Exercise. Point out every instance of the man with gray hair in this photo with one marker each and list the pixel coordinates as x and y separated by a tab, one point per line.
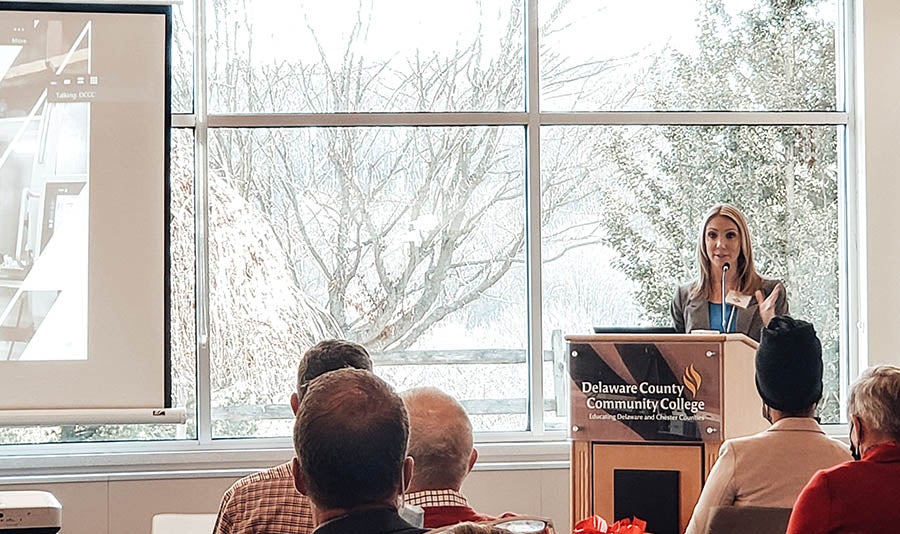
442	445
860	495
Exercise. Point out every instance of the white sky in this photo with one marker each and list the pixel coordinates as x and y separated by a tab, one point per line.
600	28
617	26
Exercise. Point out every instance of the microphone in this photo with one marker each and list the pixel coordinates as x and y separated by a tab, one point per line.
724	272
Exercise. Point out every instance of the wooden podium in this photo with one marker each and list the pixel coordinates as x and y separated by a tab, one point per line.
648	414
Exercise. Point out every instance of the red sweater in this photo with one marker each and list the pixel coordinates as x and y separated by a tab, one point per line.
853	497
439	516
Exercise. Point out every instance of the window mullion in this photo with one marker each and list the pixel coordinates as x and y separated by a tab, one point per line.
201	211
533	223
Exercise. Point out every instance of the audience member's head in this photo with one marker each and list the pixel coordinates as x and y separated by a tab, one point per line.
326	356
468	527
440	440
789	368
874	408
518	524
350	441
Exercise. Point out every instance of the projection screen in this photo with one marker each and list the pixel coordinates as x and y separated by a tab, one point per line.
84	144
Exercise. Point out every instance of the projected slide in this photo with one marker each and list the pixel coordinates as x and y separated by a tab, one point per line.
84	167
46	93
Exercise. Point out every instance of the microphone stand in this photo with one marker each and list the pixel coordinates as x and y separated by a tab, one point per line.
724	320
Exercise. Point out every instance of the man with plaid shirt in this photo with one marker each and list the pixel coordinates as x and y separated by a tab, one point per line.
267	502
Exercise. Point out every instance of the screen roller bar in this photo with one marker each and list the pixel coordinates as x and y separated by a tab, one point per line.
119	3
126	416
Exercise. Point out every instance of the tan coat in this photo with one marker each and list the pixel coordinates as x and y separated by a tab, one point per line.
767	469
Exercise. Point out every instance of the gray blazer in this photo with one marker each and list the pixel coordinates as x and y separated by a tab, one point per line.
693	314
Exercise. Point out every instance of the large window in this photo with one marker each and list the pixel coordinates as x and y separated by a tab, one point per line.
457	189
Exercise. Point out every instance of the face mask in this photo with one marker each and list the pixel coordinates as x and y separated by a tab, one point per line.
854	448
414	515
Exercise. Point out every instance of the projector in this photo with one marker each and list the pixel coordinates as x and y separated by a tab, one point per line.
29	512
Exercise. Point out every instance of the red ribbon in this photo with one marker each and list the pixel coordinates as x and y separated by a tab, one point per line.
627	526
597	525
591	525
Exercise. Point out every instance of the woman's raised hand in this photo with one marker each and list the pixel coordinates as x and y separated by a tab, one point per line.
767	304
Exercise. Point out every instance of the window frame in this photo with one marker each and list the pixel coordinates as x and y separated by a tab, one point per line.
533	448
532	120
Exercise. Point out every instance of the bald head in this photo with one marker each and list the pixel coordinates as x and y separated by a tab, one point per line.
440	439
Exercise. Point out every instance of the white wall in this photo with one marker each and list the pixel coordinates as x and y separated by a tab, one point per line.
880	166
128	506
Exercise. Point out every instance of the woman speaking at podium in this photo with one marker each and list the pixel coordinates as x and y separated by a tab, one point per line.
728	295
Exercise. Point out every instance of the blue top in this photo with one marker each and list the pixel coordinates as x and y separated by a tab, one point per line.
715	317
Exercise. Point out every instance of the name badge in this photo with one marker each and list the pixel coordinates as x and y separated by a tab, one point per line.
738	299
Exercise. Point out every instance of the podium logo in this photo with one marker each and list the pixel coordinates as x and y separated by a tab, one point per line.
692	380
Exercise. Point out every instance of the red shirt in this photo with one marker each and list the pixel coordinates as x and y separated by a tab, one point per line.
439	516
446	507
853	497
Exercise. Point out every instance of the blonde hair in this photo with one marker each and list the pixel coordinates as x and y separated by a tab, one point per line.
503	525
875	398
748	280
469	527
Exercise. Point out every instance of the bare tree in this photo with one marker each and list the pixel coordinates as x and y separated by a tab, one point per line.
401	226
